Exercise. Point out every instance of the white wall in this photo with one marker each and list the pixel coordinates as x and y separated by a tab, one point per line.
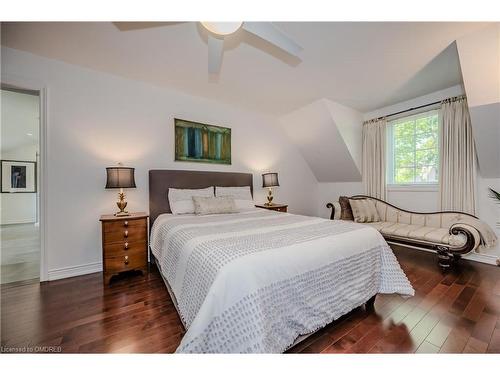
19	116
415	102
424	199
330	192
96	120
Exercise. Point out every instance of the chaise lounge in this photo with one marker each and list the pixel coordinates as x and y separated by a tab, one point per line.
451	234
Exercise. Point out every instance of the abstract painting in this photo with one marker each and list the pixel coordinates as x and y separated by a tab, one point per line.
204	143
18	176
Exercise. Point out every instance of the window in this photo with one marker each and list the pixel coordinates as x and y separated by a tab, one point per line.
413	150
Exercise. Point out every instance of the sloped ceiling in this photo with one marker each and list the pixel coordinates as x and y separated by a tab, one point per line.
328	136
363	65
479	54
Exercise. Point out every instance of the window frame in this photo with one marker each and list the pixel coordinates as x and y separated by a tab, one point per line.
419	186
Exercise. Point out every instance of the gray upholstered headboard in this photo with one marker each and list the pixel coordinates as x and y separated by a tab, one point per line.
160	180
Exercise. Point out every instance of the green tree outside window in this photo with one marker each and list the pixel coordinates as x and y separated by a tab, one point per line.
414	149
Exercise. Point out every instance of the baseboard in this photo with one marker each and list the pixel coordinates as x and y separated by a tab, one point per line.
18	223
475	257
483	258
83	269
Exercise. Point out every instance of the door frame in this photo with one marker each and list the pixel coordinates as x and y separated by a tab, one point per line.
32	85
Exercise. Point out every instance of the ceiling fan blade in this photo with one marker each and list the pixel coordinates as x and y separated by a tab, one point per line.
273	35
129	26
215	49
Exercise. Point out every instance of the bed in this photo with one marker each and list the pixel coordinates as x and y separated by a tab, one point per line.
257	280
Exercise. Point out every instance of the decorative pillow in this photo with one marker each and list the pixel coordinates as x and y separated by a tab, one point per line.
241	195
181	200
214	205
364	210
345	209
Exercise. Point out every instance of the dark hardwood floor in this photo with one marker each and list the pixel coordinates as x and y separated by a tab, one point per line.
451	313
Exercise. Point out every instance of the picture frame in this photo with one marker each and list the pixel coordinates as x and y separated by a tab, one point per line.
18	176
202	143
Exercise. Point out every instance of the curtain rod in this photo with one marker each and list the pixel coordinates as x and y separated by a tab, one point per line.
420	106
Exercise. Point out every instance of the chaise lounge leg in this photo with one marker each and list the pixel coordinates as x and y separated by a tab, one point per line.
370	304
445	259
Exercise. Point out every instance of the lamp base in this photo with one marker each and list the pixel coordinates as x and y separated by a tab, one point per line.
269	197
122	203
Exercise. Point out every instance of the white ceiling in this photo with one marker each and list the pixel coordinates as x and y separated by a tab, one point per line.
361	65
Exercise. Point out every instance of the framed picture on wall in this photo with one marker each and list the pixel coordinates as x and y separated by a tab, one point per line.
18	176
203	143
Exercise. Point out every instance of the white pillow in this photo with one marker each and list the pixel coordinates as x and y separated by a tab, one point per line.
214	205
364	211
241	195
181	200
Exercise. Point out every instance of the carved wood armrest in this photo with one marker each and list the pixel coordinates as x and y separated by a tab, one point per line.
332	207
472	238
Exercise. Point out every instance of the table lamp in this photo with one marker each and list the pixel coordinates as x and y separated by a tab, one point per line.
270	180
120	178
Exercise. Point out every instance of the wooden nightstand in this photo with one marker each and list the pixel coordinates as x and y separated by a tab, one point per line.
124	244
274	207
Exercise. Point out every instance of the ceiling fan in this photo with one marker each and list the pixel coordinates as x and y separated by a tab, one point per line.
218	30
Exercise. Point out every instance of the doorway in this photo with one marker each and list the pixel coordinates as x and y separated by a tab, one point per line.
20	251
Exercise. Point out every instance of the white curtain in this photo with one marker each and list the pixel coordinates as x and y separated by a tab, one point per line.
374	159
457	157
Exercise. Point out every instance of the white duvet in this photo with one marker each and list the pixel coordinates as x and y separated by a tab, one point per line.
255	281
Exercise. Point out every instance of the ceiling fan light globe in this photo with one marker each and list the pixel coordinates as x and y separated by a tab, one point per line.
222	28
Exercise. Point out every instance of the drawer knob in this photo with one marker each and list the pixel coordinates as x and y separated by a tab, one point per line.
125	233
125	223
126	259
125	246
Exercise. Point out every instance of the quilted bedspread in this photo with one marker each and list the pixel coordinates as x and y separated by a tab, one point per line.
253	282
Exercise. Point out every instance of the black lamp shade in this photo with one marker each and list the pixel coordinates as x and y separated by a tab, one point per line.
270	180
120	177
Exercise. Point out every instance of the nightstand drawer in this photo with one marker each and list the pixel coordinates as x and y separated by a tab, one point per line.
115	226
126	234
124	248
126	262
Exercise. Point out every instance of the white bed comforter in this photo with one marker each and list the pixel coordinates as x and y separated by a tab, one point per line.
255	281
